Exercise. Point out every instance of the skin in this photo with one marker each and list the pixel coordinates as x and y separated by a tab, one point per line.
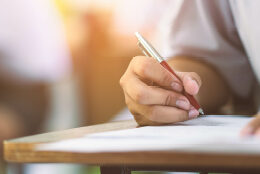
252	128
154	96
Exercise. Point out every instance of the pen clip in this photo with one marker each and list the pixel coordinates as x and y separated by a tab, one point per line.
143	50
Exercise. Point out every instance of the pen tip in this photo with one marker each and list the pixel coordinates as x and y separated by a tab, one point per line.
201	111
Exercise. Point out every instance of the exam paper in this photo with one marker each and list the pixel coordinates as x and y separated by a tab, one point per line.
214	134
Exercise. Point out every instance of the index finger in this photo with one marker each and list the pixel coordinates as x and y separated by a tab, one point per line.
149	68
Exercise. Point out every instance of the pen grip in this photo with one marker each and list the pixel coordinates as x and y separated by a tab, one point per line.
191	98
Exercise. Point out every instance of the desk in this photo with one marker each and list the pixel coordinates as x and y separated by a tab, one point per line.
22	150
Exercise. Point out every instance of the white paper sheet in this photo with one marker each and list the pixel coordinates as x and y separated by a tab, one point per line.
205	134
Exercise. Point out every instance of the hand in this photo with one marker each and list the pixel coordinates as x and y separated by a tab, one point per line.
153	95
252	128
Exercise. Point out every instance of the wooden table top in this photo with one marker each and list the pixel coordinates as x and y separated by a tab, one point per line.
22	150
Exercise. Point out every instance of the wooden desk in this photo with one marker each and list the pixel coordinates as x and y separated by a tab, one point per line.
22	150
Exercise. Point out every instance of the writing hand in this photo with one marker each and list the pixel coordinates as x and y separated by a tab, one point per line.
154	96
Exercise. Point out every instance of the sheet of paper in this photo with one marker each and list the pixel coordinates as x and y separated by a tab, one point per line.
204	134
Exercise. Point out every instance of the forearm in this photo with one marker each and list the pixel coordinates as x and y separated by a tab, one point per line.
214	92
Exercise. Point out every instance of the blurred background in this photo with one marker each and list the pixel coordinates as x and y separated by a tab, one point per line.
60	64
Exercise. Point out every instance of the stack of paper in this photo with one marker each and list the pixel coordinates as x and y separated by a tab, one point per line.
204	134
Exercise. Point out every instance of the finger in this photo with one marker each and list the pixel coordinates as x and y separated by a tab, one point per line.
257	132
159	114
251	127
143	121
149	68
191	82
166	114
151	95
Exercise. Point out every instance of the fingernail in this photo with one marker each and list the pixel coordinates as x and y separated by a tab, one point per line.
193	85
176	86
193	113
193	81
183	104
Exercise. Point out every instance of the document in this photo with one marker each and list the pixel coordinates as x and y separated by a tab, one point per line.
210	133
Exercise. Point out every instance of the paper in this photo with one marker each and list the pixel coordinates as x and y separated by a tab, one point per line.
205	134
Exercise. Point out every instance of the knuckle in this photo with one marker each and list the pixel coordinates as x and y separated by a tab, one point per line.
168	99
195	76
171	98
121	81
140	96
134	62
166	77
135	59
142	68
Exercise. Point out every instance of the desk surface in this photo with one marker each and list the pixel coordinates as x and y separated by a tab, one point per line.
22	150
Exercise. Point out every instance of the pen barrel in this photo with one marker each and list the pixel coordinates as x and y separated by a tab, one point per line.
166	66
191	98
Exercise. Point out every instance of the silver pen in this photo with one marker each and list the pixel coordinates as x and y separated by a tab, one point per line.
149	51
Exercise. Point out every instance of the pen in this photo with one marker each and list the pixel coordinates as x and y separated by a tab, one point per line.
149	51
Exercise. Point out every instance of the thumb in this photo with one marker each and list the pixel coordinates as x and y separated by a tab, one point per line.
191	82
